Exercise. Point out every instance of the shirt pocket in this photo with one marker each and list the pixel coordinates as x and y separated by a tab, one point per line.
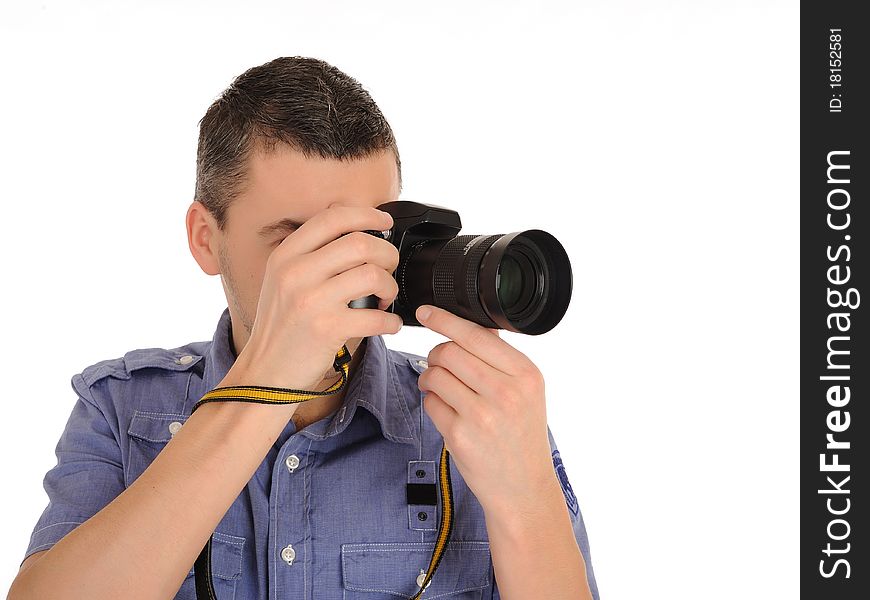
376	571
149	432
226	568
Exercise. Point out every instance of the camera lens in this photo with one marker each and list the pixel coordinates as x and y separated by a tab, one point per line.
517	281
508	281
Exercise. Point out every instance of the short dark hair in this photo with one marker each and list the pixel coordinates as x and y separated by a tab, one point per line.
302	102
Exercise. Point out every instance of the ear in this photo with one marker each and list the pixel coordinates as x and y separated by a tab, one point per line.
202	238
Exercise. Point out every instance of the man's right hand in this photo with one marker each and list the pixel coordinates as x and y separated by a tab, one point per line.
303	317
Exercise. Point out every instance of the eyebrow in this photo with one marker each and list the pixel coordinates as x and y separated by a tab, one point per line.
279	225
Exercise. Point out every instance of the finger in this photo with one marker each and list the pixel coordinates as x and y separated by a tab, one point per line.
328	225
474	338
442	415
357	248
475	373
450	389
360	282
367	322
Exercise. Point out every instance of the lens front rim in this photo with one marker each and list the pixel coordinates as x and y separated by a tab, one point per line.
551	301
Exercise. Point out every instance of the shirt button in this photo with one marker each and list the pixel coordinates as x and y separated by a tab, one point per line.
420	579
184	359
292	462
423	363
288	554
174	427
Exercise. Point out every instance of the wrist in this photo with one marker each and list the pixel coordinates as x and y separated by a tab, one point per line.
541	494
253	372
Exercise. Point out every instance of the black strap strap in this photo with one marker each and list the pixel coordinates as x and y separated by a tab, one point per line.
202	573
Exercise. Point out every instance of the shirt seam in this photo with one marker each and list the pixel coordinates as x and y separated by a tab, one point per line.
394	379
89	396
308	545
56	524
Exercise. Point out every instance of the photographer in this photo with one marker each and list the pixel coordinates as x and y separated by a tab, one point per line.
314	495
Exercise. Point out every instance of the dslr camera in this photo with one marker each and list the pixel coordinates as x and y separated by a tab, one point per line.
518	281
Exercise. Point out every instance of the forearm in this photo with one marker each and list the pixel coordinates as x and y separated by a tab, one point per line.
534	552
144	542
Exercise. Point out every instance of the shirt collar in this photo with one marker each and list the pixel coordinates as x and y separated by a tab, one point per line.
374	385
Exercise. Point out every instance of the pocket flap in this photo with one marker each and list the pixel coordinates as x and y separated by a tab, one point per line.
226	556
155	427
394	567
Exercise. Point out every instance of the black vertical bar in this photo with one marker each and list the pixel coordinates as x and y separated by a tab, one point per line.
834	370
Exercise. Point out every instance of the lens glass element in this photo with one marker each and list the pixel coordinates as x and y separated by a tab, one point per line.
509	282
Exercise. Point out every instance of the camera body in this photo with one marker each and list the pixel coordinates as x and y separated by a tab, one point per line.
414	224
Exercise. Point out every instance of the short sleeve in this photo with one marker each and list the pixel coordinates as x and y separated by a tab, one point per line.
574	514
88	475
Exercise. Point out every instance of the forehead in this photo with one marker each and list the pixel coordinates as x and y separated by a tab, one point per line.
285	183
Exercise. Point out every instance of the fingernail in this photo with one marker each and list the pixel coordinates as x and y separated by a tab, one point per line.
423	313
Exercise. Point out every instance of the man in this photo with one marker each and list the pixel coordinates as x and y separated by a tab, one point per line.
306	500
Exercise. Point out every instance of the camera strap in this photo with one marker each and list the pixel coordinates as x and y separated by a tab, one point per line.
277	395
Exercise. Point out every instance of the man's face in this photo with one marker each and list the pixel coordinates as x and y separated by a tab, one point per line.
286	185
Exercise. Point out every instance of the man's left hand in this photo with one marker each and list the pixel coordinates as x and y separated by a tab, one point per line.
487	400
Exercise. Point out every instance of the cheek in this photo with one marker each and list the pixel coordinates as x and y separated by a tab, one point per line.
245	266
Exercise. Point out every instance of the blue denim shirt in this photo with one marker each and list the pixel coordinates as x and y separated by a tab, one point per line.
326	514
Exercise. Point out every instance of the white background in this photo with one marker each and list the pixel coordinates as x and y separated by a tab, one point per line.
658	140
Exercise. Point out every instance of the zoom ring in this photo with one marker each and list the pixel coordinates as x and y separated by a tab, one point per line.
449	264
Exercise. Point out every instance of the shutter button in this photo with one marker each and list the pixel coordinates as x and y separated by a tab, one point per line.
421	577
184	359
292	462
288	554
174	427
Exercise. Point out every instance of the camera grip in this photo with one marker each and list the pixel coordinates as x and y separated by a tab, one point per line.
370	301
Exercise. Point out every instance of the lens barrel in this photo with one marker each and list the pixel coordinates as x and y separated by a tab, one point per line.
518	281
